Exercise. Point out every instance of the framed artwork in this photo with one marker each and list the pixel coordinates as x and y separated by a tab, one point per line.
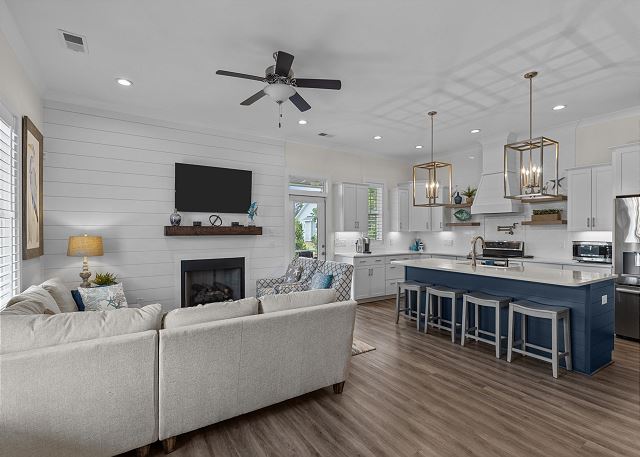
32	224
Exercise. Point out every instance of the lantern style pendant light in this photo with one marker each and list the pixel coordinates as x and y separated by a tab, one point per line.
528	163
434	176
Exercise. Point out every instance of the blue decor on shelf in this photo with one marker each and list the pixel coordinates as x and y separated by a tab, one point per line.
462	215
252	213
457	198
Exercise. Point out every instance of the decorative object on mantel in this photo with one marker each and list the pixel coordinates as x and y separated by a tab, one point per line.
540	215
105	279
85	246
507	228
32	200
457	198
235	224
462	215
252	213
175	218
432	181
210	230
197	223
215	220
470	194
525	162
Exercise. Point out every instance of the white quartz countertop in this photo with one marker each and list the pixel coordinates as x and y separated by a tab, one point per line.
526	272
378	253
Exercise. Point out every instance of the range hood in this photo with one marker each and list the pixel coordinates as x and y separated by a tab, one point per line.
490	196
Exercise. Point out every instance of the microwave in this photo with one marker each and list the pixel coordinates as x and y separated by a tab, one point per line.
593	251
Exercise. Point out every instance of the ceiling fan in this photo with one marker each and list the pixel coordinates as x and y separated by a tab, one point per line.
281	83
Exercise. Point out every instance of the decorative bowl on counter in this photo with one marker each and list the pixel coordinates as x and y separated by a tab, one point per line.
462	215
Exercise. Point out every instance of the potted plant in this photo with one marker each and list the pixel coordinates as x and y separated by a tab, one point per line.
546	215
105	279
469	193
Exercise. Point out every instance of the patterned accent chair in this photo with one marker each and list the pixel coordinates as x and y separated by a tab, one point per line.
342	275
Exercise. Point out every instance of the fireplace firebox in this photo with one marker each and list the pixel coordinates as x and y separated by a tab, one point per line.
211	280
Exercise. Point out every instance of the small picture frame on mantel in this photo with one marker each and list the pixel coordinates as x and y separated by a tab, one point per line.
32	181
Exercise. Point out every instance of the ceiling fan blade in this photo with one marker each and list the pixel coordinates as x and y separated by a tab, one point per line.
239	75
319	83
300	102
283	63
254	98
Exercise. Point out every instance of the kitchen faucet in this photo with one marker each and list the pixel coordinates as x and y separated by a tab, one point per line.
473	249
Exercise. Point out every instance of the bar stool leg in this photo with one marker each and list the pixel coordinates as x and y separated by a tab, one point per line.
477	321
427	311
510	334
567	343
497	332
439	310
554	346
523	332
453	319
398	304
418	300
464	320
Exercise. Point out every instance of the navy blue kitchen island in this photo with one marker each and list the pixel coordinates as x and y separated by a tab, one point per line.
590	297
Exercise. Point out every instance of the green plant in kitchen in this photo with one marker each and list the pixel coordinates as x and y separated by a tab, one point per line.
470	193
105	279
549	214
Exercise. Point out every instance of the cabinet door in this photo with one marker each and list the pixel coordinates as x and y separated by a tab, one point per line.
602	198
349	200
361	283
579	200
627	170
378	281
362	208
403	210
437	219
419	216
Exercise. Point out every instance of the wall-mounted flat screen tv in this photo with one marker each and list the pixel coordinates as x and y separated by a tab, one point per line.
212	189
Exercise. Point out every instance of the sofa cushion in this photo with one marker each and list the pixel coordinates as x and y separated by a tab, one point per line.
61	294
78	299
36	294
273	303
293	273
200	314
104	298
27	307
320	280
21	333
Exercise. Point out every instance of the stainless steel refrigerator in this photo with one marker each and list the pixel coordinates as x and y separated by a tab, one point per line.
626	248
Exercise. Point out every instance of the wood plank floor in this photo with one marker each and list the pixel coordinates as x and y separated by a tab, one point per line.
420	395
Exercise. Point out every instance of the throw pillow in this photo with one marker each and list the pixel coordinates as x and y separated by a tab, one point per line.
103	298
294	300
200	314
293	273
26	307
36	294
21	333
61	294
78	299
321	281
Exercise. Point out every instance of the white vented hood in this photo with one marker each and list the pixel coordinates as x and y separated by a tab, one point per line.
490	196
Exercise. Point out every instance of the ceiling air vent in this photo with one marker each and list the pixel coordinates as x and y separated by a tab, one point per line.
326	135
73	41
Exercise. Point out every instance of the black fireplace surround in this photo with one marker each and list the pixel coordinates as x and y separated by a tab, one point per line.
211	280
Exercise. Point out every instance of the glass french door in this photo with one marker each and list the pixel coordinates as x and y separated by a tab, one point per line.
308	226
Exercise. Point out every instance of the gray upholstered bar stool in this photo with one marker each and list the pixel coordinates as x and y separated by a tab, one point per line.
407	287
490	301
433	320
554	314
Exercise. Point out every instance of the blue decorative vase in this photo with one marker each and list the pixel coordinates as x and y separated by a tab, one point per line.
457	198
175	218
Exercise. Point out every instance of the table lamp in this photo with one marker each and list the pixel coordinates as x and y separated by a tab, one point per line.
85	246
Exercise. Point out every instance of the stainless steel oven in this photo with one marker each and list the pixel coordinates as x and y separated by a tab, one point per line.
593	251
626	243
628	307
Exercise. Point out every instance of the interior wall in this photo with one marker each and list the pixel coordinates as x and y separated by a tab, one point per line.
594	139
112	175
20	96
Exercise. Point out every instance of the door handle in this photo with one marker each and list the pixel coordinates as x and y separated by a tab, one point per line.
593	222
627	291
588	218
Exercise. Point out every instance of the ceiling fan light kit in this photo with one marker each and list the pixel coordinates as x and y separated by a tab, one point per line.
528	163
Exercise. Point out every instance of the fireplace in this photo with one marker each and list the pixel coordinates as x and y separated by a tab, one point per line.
211	280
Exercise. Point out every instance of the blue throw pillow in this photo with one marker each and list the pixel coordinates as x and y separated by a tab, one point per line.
321	281
78	299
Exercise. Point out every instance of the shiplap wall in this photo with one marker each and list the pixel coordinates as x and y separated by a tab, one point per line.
113	175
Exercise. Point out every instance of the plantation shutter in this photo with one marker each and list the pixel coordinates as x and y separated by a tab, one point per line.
375	212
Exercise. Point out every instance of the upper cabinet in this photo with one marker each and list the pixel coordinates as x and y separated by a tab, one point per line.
626	169
590	199
425	219
399	198
350	207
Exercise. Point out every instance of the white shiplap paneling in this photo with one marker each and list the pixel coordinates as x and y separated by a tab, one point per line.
112	175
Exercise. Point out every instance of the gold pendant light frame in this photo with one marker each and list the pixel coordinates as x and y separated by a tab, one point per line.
432	172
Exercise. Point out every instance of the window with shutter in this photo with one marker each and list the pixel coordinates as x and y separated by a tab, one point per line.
375	211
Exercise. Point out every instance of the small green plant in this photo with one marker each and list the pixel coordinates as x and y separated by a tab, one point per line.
539	212
470	192
105	279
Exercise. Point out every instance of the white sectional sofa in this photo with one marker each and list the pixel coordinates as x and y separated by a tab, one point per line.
104	382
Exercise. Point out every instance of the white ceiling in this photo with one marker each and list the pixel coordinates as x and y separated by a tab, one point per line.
396	59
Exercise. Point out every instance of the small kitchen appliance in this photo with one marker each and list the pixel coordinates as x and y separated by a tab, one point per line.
363	245
593	251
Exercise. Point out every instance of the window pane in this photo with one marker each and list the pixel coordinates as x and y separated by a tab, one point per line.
375	211
297	183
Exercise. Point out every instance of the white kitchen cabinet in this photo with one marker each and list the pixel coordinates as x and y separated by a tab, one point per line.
419	216
626	169
361	282
378	282
399	198
590	199
351	207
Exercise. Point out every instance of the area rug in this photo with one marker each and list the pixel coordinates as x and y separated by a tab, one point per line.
360	347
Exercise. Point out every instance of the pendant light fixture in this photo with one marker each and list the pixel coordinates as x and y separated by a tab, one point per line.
434	176
528	163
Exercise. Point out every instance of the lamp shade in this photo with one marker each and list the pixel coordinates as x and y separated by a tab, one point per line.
85	246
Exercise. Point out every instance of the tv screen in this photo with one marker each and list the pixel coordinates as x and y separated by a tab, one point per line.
211	189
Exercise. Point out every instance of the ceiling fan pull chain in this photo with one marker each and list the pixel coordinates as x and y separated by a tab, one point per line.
280	117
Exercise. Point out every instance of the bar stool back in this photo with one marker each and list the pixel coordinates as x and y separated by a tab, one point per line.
408	287
430	319
491	301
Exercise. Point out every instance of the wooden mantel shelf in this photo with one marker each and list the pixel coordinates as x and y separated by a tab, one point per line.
210	230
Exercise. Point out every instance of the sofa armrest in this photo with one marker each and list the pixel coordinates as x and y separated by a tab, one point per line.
57	400
269	282
291	287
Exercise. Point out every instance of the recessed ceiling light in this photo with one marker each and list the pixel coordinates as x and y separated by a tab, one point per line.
302	122
559	107
419	146
377	137
474	131
124	82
